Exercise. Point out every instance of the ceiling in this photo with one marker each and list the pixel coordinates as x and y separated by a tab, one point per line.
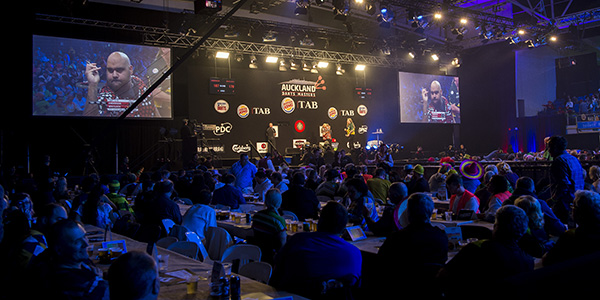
355	30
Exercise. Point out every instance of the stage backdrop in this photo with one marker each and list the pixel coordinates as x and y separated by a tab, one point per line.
300	104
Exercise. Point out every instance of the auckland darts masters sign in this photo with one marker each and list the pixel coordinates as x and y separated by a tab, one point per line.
302	88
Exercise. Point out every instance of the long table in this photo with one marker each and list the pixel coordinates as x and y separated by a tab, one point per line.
178	290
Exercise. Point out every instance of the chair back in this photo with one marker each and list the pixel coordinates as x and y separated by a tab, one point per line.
241	254
286	214
189	249
193	237
257	270
166	241
217	240
168	224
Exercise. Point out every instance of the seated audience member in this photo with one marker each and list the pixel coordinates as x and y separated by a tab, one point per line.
471	172
438	179
263	184
277	181
498	187
482	192
162	206
64	270
132	187
379	185
594	174
312	179
330	187
97	209
417	183
478	267
536	241
505	170
583	240
389	221
461	198
526	187
301	201
228	195
360	203
309	258
200	216
133	276
116	198
413	255
269	227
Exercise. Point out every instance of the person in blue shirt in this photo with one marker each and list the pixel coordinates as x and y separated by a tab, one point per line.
244	172
228	195
566	175
310	258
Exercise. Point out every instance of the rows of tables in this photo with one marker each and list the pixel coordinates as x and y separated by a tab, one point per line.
173	286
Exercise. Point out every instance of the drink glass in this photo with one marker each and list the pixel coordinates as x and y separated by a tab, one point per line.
448	216
227	269
294	226
434	214
192	284
90	251
163	262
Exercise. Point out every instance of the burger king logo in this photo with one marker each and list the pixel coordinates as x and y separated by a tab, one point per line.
288	105
361	110
221	106
332	113
243	111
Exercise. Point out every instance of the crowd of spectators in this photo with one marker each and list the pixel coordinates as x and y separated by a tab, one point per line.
42	234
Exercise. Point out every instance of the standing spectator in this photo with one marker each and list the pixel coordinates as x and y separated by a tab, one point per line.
244	172
567	177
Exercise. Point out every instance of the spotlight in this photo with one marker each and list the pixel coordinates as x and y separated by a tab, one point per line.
370	8
271	59
305	67
463	21
222	54
314	68
437	16
252	64
293	65
456	62
411	54
270	36
553	38
521	31
239	57
341	9
435	57
385	17
358	1
339	71
359	68
282	66
301	7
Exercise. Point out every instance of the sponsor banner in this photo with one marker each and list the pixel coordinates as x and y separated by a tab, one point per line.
243	111
332	113
241	148
262	147
288	105
221	106
223	128
213	148
298	143
346	112
299	126
261	111
362	110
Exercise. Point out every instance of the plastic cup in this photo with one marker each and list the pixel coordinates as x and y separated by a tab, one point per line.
227	269
434	214
192	285
163	262
90	250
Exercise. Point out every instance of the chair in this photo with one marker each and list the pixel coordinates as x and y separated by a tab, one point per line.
193	237
178	231
166	241
257	270
189	249
168	224
286	214
241	254
323	198
217	240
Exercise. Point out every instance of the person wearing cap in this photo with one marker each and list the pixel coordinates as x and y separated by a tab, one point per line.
471	171
269	226
461	198
418	184
408	171
113	194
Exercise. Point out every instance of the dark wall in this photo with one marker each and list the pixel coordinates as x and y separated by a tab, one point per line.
577	76
488	108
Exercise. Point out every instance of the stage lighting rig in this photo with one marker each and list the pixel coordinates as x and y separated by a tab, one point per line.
341	9
301	7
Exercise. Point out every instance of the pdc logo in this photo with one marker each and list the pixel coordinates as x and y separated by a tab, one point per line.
243	111
361	110
288	105
332	113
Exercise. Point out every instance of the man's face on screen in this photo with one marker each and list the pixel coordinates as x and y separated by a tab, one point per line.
118	72
435	93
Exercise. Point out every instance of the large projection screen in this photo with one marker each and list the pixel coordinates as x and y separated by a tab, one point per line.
92	79
426	98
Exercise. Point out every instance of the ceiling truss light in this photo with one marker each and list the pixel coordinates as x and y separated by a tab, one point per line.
282	65
222	54
293	65
271	59
359	68
252	64
339	70
323	64
411	54
435	57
